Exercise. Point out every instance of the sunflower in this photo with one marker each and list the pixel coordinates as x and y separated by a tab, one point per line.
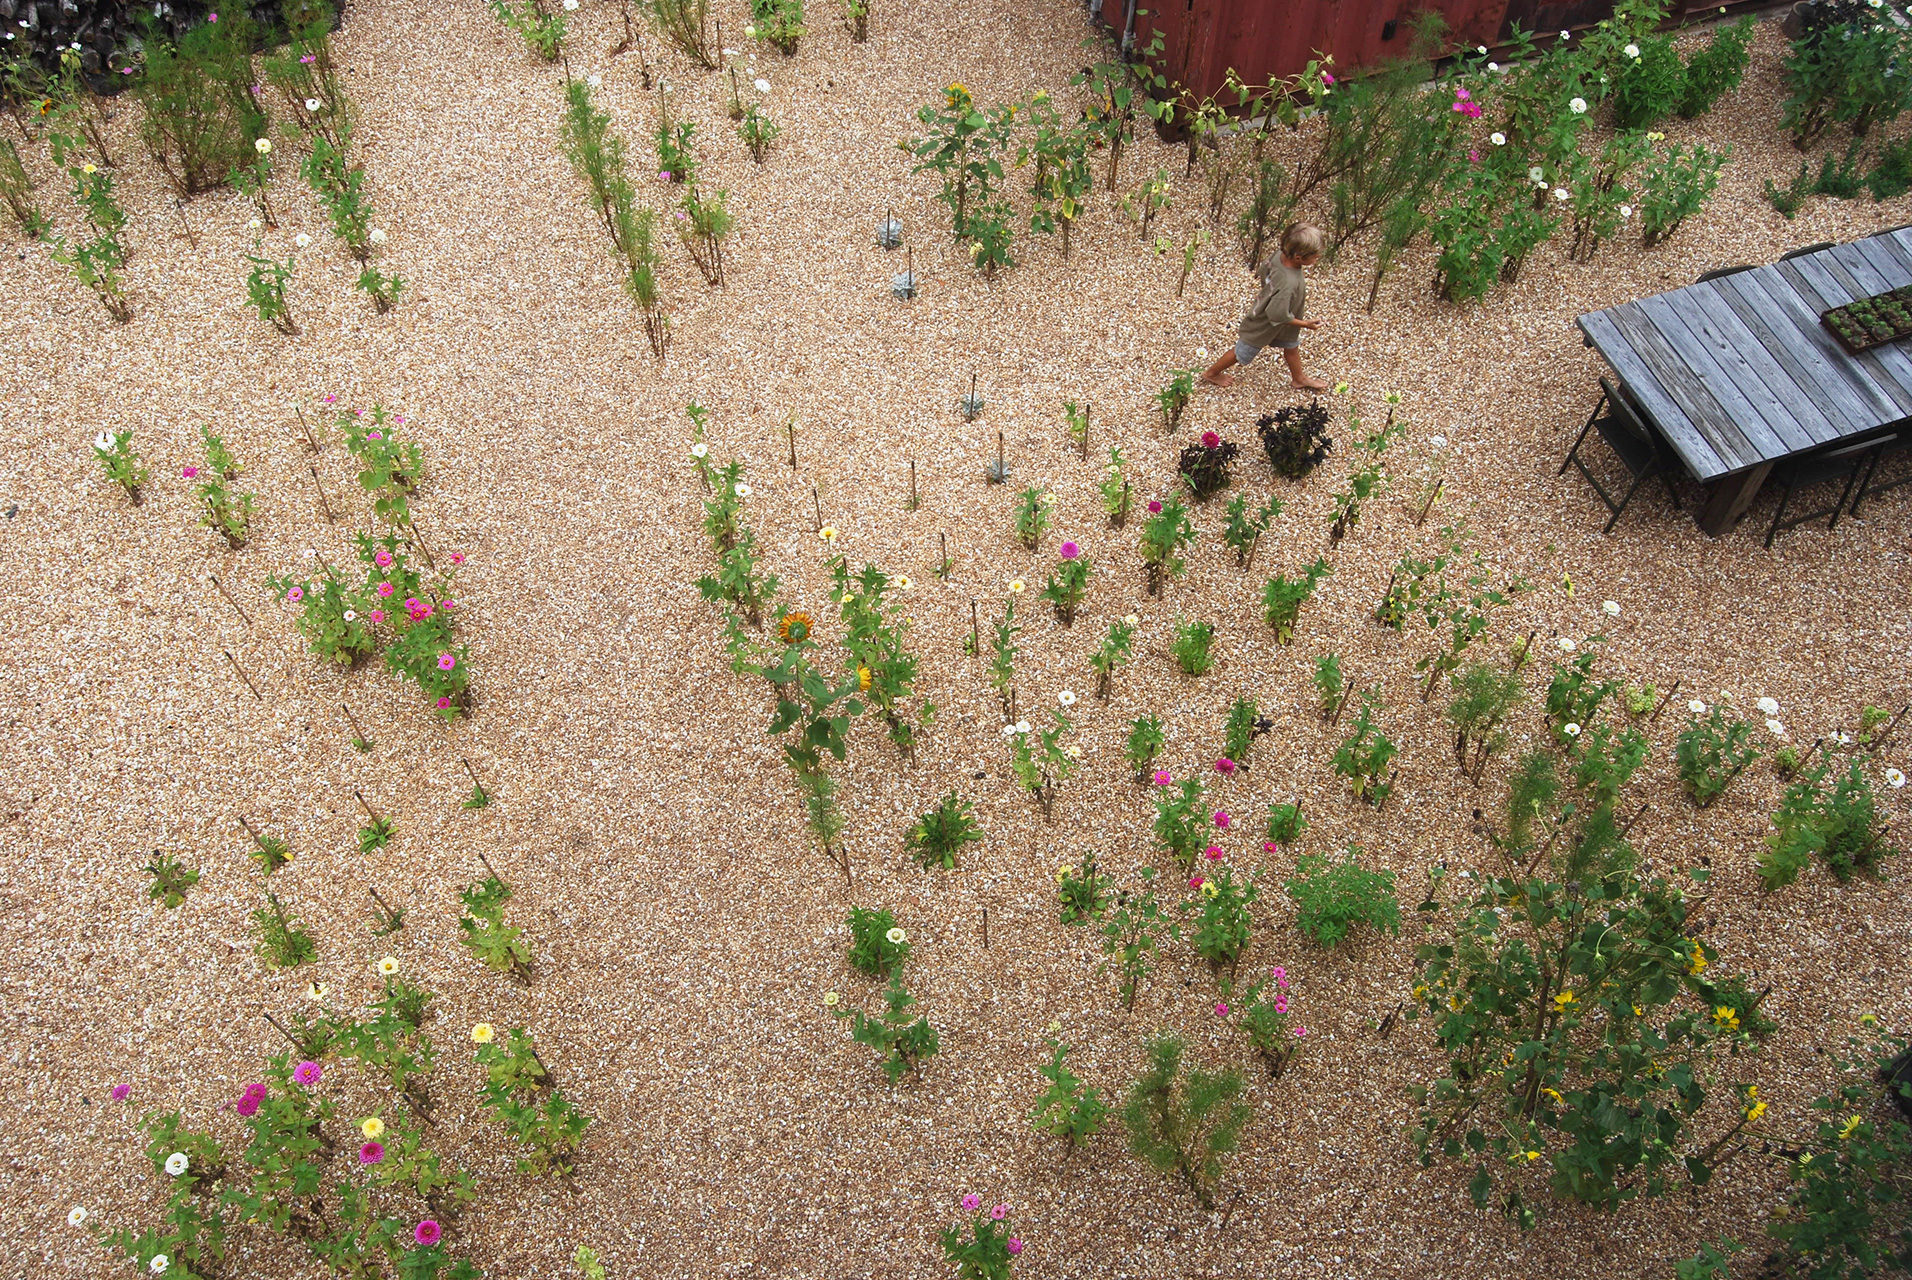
794	628
863	678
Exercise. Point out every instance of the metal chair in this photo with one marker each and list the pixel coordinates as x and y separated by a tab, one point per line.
1805	249
1805	472
1896	447
1632	441
1717	272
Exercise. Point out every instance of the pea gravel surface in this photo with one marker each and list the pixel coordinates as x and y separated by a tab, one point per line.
685	929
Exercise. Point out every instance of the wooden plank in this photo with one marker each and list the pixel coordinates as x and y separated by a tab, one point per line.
1752	421
1858	275
1653	397
1882	260
1900	251
1787	406
1821	292
1792	335
1710	422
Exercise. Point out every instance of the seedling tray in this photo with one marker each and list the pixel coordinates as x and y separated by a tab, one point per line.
1871	322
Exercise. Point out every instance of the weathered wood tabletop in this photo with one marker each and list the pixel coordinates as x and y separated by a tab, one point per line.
1738	373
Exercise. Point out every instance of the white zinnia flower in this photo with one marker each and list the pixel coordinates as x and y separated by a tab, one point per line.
351	616
1610	607
1075	753
1009	731
1493	66
1773	726
751	31
252	224
1571	730
1566	35
1437	443
903	583
1022	726
76	1217
159	1264
570	6
1893	778
1632	51
1016	586
1535	175
1697	707
1498	139
1768	706
263	146
700	449
1201	353
743	490
176	1163
302	240
1626	211
897	936
377	236
1480	48
104	440
388	966
1561	193
312	104
1129	619
1577	105
763	85
1565	643
1066	698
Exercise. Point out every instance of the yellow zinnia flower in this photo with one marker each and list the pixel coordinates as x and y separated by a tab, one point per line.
862	677
1565	1000
1726	1017
1755	1111
482	1033
373	1129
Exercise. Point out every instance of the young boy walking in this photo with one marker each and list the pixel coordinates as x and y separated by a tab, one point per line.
1275	318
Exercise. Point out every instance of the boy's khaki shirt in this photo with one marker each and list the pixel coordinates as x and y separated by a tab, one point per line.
1284	295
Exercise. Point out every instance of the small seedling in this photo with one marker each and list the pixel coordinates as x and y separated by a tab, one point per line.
171	879
282	944
386	918
940	834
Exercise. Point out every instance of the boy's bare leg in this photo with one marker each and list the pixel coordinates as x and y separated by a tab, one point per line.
1215	376
1301	380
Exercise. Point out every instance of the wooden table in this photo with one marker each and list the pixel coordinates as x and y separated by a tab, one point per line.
1738	373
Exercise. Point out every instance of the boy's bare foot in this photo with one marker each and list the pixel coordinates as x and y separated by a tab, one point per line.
1220	379
1310	384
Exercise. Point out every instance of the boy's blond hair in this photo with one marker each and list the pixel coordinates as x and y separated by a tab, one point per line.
1302	240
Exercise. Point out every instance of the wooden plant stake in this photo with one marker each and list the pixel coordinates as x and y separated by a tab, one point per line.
791	427
242	675
391	919
280	1028
1663	701
914	501
1433	497
1525	649
324	503
180	209
818	503
490	870
1635	818
474	779
309	439
1086	406
975	639
418	536
1880	740
943	566
985	928
229	600
359	740
371	812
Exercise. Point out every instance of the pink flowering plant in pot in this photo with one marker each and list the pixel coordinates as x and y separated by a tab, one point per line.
986	1249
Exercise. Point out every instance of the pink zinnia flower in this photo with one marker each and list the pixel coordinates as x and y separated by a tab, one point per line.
296	594
1301	1033
1195	882
1162	778
458	557
1222	819
371	1153
120	1091
308	59
1326	78
1210	440
385	588
1269	846
411	604
1221	1009
1155	507
447	661
446	604
998	1213
189	473
972	1201
1473	155
383	559
212	17
307	1072
374	435
328	399
663	175
444	704
1070	551
1278	973
1224	766
248	1105
378	616
1281	1002
1014	1246
1213	853
427	1233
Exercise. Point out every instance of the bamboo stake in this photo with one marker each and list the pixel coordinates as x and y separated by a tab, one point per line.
819	507
1880	740
357	730
325	503
242	675
1525	649
229	600
975	640
370	811
309	439
474	778
790	426
1663	701
985	928
915	502
1086	406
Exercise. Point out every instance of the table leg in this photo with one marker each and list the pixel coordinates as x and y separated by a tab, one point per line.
1729	497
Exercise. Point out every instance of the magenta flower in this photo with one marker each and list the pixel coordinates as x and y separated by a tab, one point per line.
383	559
1162	778
663	175
427	1233
189	473
1155	507
212	17
411	604
1301	1033
1473	155
1281	1002
1014	1246
247	1106
120	1091
1213	853
374	435
1210	440
447	604
296	594
458	557
1221	1009
358	413
998	1213
1326	78
1222	819
307	1072
385	588
972	1202
1070	551
443	704
1460	91
1269	846
308	60
1195	882
378	616
328	399
1224	766
371	1153
446	661
1279	974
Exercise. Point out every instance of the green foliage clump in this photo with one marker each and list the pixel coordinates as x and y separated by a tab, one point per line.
171	879
1331	898
1283	597
1192	647
1144	743
904	1042
1083	889
1839	824
282	943
877	945
1711	752
1067	1109
1649	87
1716	70
1185	1121
940	834
483	930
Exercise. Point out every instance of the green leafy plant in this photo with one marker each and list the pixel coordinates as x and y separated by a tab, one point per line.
282	944
877	945
875	654
1068	583
707	222
1038	758
1167	533
685	24
483	931
1285	823
1033	513
1331	687
1368	477
904	1042
96	260
1331	898
1244	725
598	155
1243	531
1839	823
1650	85
265	292
1841	70
227	512
1003	652
1192	647
1218	915
518	1091
16	192
199	114
114	450
1185	1121
1112	654
1716	70
1711	752
1083	890
1181	818
1264	1018
1115	490
1282	598
779	23
1676	185
1364	755
1132	937
987	1251
1483	697
1144	743
940	834
1067	1109
1173	398
171	879
757	131
541	29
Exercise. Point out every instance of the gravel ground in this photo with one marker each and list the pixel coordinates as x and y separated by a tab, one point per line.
684	929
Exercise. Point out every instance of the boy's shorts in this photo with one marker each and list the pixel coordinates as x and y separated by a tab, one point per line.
1245	352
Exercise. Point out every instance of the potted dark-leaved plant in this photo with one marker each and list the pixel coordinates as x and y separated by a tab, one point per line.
1204	465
